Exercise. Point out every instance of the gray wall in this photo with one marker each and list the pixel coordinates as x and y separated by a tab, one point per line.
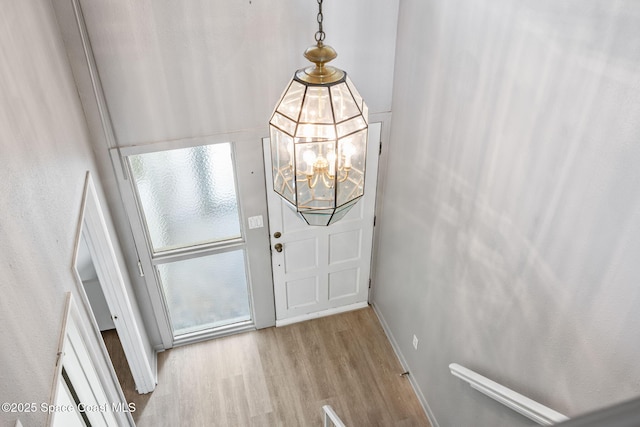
175	70
45	152
510	227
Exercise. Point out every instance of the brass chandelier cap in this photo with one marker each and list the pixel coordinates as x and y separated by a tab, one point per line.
320	54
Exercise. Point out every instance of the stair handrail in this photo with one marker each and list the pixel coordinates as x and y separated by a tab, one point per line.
531	409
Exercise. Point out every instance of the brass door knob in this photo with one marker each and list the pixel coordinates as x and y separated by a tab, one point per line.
278	247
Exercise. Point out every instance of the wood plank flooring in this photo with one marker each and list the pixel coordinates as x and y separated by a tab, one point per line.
279	377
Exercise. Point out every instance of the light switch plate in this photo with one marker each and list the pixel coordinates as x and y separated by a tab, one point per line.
255	222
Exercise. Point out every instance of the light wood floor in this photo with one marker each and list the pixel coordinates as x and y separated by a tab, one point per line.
279	377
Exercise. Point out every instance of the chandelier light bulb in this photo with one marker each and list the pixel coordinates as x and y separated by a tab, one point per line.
309	158
348	150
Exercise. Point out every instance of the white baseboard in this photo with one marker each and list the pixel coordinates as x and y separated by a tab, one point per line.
154	365
324	313
405	366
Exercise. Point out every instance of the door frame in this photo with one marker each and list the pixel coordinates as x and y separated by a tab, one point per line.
75	336
92	227
385	136
250	204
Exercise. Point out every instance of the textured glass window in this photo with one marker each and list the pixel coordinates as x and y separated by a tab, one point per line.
188	195
206	292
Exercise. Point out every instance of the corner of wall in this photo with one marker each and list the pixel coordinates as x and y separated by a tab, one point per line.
403	361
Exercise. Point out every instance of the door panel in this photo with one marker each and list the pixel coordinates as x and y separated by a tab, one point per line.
301	255
344	283
206	292
322	270
345	246
187	195
302	292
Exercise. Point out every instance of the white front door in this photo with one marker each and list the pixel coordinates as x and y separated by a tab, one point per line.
322	270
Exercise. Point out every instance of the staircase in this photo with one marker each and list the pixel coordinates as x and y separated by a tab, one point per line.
331	418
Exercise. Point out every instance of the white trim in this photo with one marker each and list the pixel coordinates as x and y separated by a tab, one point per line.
331	418
324	313
150	280
94	230
96	84
531	409
74	327
405	366
219	332
58	371
255	134
384	118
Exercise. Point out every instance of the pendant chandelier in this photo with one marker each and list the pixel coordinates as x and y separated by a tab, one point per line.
319	138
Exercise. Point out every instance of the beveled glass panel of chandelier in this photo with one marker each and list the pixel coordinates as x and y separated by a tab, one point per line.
318	147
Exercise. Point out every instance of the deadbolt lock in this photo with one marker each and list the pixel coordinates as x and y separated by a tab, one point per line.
277	234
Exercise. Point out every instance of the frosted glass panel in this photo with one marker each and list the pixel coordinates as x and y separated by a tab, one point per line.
206	292
188	195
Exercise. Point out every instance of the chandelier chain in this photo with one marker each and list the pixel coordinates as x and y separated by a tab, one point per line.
320	33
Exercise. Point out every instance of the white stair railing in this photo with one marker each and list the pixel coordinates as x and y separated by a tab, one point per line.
331	418
529	408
